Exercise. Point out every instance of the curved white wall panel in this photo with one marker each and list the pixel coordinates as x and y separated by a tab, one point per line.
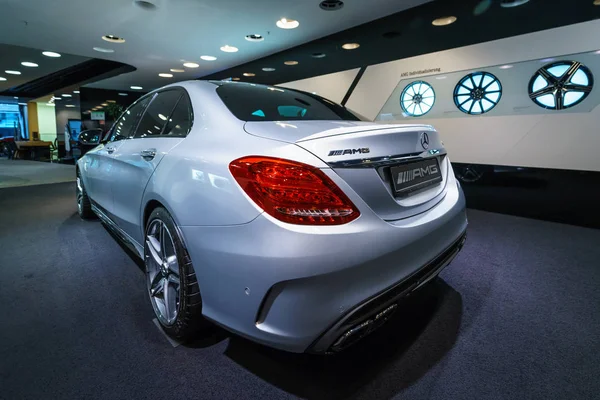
516	131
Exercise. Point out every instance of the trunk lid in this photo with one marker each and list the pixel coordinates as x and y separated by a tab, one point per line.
398	170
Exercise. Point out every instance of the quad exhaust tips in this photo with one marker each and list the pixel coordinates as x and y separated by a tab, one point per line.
361	330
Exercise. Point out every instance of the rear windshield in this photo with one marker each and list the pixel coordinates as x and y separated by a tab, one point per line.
267	103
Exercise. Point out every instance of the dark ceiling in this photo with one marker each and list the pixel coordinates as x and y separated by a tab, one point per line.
410	33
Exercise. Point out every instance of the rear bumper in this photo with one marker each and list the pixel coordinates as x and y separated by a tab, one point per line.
299	288
374	312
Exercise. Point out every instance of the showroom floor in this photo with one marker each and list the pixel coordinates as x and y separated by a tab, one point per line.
515	317
25	173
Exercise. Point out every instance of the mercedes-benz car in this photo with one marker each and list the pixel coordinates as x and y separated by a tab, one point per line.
280	215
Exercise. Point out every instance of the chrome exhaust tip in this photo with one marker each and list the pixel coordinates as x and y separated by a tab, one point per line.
361	330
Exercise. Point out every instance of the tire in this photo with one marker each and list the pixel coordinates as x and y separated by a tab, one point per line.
187	321
84	206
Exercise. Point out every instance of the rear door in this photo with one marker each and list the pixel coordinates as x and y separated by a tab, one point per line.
164	124
98	163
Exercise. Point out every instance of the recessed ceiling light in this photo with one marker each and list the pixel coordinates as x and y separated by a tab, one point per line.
123	94
104	104
66	95
249	74
51	54
229	49
191	65
145	4
162	117
331	5
163	75
177	70
76	91
29	64
113	39
56	98
2	78
136	87
286	23
444	21
103	50
255	38
69	105
291	63
512	3
350	46
208	58
235	79
110	101
12	72
267	69
318	55
506	66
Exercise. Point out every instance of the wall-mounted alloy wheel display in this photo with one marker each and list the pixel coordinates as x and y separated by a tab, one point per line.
477	93
561	85
417	98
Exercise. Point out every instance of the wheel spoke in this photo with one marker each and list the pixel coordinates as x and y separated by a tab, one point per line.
570	72
541	92
154	248
551	79
578	88
558	97
173	264
163	242
157	285
169	299
490	100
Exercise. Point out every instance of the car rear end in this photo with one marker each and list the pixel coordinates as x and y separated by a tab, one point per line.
340	239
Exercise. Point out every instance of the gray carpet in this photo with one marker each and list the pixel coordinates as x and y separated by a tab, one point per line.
514	317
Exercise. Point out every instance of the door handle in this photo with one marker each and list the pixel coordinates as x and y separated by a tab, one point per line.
148	154
110	150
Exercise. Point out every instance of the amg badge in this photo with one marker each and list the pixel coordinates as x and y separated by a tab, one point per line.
408	178
364	150
421	172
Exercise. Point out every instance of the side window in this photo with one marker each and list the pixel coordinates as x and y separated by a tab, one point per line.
157	114
180	122
123	128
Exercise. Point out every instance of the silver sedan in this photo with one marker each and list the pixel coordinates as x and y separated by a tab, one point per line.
275	213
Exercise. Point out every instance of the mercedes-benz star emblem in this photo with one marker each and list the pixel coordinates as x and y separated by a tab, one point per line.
425	140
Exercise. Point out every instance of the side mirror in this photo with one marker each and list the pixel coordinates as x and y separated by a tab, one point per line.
90	138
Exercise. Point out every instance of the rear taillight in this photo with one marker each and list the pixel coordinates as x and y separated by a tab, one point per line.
293	192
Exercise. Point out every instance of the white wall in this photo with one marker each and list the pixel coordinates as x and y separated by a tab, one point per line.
46	122
516	132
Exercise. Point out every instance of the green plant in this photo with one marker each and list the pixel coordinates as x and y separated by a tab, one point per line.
113	110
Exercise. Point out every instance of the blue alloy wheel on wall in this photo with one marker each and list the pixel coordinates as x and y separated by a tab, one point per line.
477	93
561	85
417	98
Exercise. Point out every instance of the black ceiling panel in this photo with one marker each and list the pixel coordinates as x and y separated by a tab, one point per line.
410	33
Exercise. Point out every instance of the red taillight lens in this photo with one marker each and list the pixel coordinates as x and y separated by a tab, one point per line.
293	192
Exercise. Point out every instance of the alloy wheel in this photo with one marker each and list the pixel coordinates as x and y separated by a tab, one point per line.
79	194
162	272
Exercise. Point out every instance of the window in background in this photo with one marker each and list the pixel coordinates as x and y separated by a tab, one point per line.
477	93
417	98
561	85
